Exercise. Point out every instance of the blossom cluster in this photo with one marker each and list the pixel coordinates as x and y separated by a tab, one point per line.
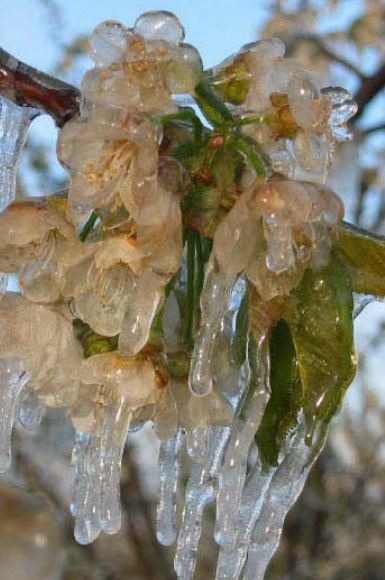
132	283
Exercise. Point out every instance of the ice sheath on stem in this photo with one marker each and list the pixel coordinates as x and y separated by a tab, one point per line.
12	380
199	492
169	474
14	124
232	475
215	300
97	461
286	485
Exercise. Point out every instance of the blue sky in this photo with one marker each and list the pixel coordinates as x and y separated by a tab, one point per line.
216	27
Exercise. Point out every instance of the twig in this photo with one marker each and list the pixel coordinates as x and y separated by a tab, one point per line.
326	50
373	129
370	89
27	86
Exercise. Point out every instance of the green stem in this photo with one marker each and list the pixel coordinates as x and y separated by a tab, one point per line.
189	320
200	275
251	151
88	227
212	107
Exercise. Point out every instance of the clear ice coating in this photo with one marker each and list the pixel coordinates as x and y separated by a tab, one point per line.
215	301
31	410
12	380
97	462
14	124
169	473
97	325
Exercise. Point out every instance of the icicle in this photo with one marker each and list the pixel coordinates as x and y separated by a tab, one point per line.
169	473
231	561
142	309
233	472
197	441
113	442
87	494
97	461
12	380
286	485
31	411
14	123
215	301
200	491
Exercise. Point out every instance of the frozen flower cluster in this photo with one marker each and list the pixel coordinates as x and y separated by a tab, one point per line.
191	242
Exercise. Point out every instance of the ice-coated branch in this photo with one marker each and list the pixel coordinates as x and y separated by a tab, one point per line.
28	87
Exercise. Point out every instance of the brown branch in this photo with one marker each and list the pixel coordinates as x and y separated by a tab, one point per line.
369	89
27	86
324	49
373	129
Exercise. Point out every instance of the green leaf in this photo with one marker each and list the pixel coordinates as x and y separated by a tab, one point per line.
286	395
211	105
364	256
321	323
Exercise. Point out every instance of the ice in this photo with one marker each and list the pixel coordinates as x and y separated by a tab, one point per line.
86	502
233	472
169	474
142	309
199	492
31	411
14	123
97	460
160	25
12	380
215	301
202	484
113	442
231	561
286	485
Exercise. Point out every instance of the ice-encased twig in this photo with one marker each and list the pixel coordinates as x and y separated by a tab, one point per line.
169	474
286	485
232	475
87	491
231	560
197	441
113	442
12	380
215	300
97	460
200	491
14	123
31	411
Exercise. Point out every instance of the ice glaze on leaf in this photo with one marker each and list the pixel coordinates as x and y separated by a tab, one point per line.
322	329
286	395
364	256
